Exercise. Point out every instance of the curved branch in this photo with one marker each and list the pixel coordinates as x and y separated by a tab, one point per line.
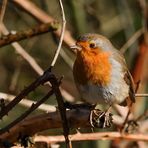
61	36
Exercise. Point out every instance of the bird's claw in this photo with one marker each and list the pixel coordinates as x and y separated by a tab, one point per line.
100	119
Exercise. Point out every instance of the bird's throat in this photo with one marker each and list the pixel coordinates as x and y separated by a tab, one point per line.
93	68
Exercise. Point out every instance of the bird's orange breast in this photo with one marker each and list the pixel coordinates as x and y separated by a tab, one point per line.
92	67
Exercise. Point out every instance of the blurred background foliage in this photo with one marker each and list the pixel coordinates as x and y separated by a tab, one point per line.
116	19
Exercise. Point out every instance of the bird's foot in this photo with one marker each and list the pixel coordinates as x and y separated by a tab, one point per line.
100	119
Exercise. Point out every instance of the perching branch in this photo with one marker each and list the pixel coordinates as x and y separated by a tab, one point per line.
77	118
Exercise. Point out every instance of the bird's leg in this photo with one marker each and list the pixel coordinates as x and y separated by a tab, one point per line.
101	119
91	116
107	117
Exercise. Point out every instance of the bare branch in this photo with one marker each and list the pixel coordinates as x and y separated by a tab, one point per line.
47	76
17	36
93	136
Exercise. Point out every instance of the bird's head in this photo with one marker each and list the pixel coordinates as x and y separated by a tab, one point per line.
92	43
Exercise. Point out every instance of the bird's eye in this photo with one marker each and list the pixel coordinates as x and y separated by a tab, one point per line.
92	45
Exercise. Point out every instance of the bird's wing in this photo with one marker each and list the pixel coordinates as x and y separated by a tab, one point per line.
127	76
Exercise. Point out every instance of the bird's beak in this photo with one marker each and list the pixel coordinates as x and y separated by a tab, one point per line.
76	47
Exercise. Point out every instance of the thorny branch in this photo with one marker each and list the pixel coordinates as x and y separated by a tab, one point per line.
39	81
26	113
27	103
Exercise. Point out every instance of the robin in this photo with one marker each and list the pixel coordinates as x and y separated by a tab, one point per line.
100	72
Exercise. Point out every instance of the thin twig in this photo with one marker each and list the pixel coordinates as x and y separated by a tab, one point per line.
141	95
27	103
61	36
133	38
